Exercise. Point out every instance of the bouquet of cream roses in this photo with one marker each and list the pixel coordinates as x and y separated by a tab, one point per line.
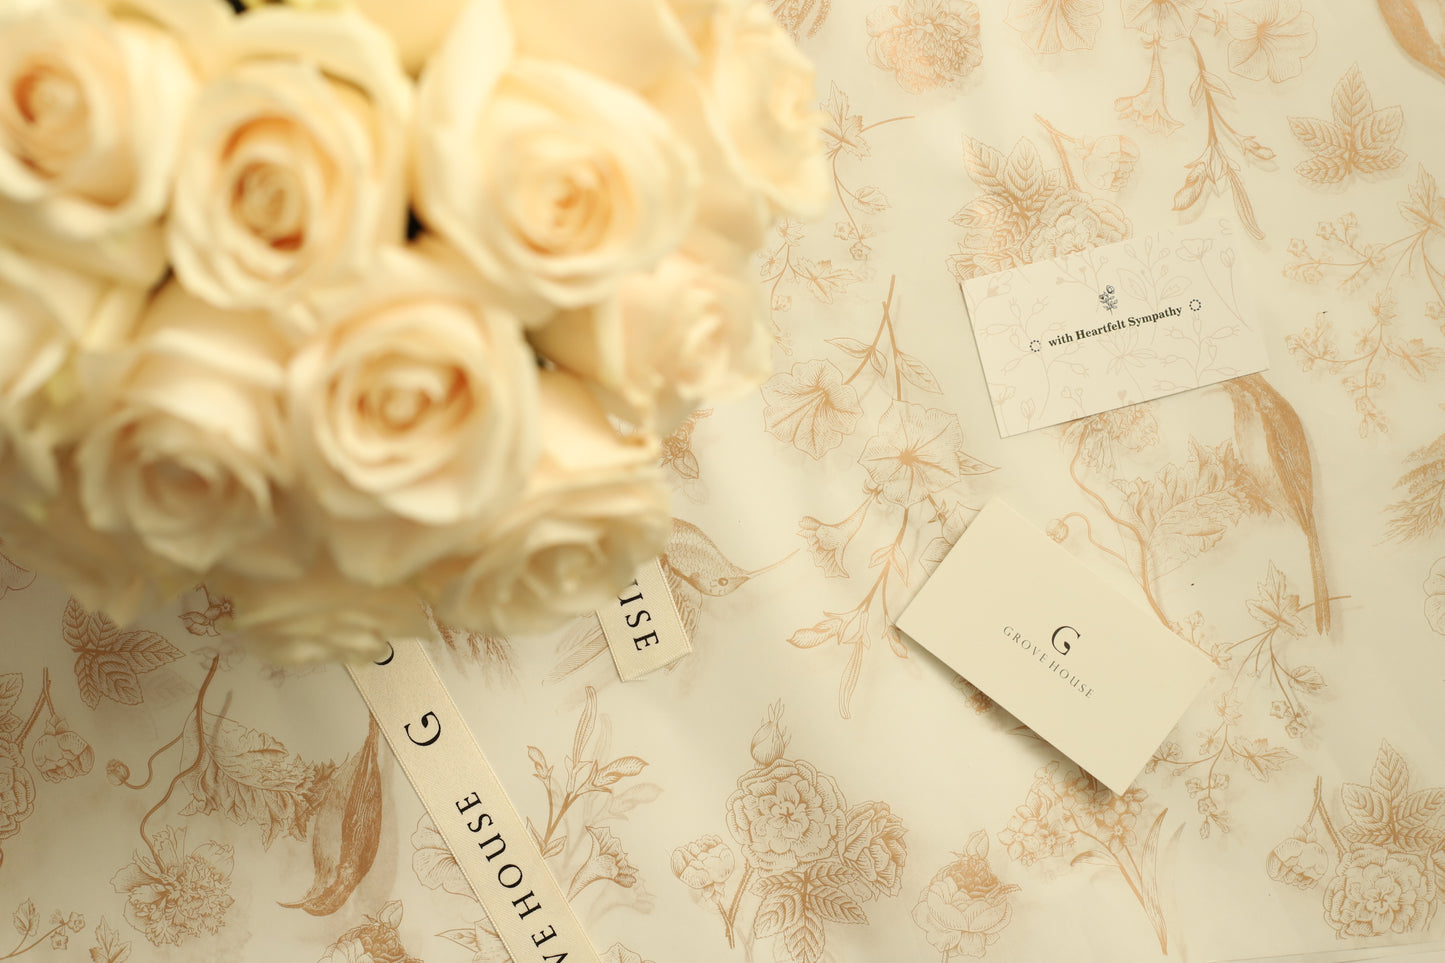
344	306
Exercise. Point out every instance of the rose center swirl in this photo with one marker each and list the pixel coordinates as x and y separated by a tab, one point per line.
270	201
50	113
567	206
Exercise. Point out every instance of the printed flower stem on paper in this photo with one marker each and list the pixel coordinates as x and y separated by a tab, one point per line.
785	264
1386	855
57	752
34	933
914	465
1172	519
1069	813
585	794
808	858
1383	345
249	777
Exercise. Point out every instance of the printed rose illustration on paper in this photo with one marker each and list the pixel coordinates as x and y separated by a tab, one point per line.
808	859
964	909
375	941
1383	871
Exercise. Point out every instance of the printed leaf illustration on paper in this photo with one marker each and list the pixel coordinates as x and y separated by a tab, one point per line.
1388	342
247	776
915	467
109	662
33	933
826	278
1421	512
1386	858
808	858
588	791
1359	139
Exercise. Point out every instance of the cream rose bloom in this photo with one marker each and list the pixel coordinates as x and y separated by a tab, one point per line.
322	616
191	450
554	182
111	573
417	29
293	170
760	87
670	338
629	42
92	106
414	414
595	510
49	318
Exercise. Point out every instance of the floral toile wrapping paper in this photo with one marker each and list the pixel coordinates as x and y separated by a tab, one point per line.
807	785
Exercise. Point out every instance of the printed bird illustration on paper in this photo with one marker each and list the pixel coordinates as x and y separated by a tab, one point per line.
1271	441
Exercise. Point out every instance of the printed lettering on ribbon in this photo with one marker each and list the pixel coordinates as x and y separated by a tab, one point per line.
446	767
643	629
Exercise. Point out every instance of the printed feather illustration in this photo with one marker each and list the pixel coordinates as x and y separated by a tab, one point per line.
1419	27
1271	441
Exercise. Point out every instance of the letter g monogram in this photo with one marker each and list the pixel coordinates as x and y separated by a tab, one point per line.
1063	647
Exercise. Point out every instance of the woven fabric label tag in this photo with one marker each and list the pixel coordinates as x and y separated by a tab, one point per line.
644	630
448	770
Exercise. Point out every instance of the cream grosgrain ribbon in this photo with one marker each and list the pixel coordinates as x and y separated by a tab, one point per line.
448	770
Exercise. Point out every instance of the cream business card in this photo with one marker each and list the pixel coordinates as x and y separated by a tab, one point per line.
1073	659
1113	326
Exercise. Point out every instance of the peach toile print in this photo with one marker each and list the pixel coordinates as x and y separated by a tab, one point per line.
1419	28
798	16
965	908
789	264
375	939
925	44
1393	339
1383	869
588	792
804	857
13	578
1068	813
55	933
1051	26
56	752
916	469
1358	139
1435	596
109	662
1026	211
176	892
1159	524
1421	511
696	570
